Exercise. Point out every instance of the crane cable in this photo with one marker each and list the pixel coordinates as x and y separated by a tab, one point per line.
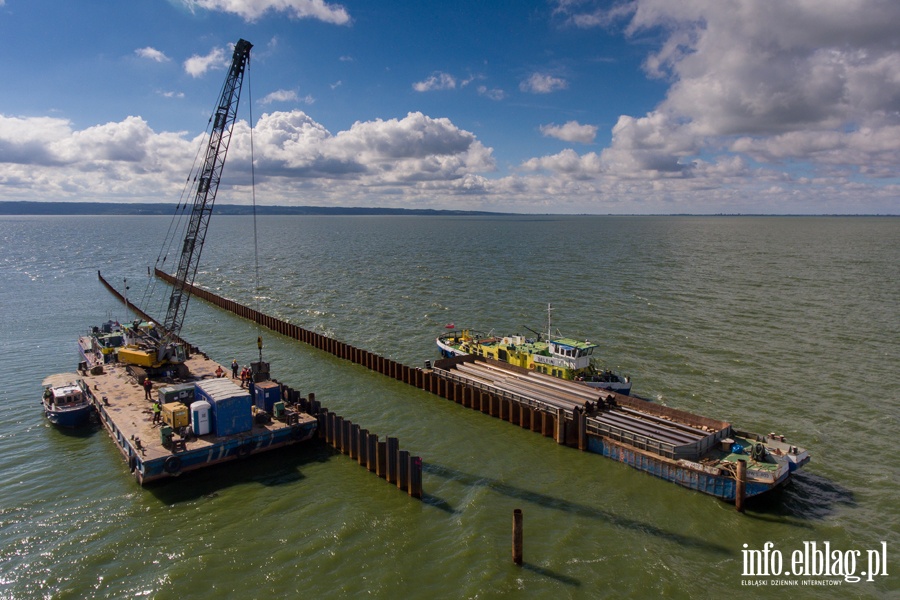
253	198
177	225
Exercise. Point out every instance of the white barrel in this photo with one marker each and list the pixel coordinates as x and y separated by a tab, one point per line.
200	417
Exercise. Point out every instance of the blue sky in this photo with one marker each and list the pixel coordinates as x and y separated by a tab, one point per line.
540	106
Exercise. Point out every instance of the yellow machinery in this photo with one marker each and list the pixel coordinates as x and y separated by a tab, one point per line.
175	414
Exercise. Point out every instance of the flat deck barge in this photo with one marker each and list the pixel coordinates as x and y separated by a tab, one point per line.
128	418
688	449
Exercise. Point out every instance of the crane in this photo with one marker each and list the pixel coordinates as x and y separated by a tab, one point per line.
167	350
204	199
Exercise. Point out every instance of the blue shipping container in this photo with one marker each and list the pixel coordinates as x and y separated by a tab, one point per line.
267	393
230	406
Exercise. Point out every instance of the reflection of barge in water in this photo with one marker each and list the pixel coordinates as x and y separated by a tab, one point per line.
697	452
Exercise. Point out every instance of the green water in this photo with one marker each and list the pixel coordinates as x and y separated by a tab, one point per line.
774	324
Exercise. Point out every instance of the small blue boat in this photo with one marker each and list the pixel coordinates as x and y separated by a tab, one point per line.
65	400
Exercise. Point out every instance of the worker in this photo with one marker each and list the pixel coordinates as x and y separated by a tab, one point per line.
234	368
148	388
220	372
157	412
245	375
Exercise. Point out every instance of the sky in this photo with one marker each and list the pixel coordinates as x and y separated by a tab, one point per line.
526	106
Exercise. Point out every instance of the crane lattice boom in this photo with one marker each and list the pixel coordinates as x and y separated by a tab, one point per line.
207	186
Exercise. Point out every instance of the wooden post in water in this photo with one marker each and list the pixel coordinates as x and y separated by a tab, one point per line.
740	489
581	417
560	426
393	447
371	453
362	446
381	459
354	441
517	536
345	436
415	476
329	427
337	432
403	470
321	426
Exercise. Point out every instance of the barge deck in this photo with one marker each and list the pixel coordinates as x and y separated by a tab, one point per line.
128	418
688	449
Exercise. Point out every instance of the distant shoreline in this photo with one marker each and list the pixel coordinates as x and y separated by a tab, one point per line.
29	208
167	209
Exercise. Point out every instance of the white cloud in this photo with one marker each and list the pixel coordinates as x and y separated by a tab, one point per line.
197	66
784	84
152	54
45	158
567	162
415	148
286	96
128	161
542	83
572	131
469	80
492	93
437	81
416	161
873	151
252	10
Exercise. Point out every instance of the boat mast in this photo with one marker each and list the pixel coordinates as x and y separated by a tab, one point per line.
549	326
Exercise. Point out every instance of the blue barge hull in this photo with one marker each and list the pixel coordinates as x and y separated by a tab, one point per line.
145	469
721	486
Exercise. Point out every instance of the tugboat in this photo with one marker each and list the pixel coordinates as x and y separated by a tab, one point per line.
65	400
561	357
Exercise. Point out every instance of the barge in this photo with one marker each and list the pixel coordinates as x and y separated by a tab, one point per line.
177	444
696	452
